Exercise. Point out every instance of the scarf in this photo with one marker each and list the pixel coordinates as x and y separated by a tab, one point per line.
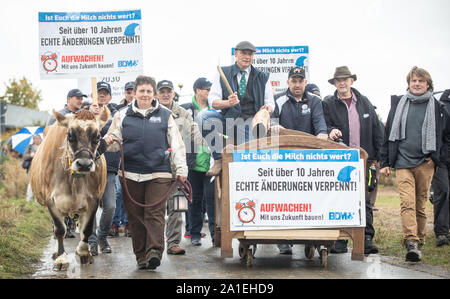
398	131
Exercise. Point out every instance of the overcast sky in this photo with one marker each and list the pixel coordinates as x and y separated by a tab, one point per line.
379	40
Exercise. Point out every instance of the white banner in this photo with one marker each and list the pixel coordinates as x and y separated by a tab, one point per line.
86	44
278	61
294	189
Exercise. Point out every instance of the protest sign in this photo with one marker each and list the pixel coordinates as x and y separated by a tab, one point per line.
83	44
277	61
294	189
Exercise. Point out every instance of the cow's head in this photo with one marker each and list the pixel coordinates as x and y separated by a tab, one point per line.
83	137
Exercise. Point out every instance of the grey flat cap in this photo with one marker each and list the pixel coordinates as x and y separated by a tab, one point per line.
245	45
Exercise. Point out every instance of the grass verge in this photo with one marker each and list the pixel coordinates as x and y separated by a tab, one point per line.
388	230
24	232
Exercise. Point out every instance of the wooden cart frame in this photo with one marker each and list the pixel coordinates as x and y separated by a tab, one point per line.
287	139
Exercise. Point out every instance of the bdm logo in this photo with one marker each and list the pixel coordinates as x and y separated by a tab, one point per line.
127	63
340	216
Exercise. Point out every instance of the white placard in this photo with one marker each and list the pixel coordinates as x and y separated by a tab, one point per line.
86	44
294	189
277	61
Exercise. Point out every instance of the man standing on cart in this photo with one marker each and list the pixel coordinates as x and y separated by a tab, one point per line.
299	110
351	117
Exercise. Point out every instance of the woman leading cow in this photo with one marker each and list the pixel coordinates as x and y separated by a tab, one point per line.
151	142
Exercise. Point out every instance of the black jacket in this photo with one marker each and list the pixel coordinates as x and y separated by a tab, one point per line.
389	150
336	117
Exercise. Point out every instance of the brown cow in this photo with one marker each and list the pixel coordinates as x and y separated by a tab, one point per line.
67	178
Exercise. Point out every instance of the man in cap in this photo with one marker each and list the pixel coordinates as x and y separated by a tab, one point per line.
189	132
350	117
129	95
198	164
99	236
252	91
299	110
314	89
74	101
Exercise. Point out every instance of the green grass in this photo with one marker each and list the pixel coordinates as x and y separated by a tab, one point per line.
24	231
388	231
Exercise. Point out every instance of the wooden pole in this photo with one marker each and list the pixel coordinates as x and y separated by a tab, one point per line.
224	79
94	90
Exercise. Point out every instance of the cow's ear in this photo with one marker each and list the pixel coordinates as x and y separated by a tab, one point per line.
103	117
61	119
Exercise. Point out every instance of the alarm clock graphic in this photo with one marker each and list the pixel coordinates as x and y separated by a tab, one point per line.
49	61
246	210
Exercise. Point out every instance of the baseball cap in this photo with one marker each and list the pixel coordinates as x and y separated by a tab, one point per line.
104	85
129	85
164	83
76	93
246	45
297	72
201	83
313	88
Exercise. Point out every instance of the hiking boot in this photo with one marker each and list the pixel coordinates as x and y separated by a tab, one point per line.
340	246
413	254
153	259
176	250
104	246
441	240
113	231
215	169
369	247
93	248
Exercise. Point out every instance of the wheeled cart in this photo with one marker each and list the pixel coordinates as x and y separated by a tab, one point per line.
315	240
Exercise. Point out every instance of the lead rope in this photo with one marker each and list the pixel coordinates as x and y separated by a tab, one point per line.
185	188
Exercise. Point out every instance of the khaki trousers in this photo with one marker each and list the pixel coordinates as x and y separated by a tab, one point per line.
414	188
147	224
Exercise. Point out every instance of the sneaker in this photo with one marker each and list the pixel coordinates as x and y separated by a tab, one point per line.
369	247
104	246
413	254
187	234
196	242
215	169
153	260
441	240
340	246
93	248
176	250
113	231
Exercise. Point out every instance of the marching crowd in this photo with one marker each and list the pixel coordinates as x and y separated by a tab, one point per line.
163	141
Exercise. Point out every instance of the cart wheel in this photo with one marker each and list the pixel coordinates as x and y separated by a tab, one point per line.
243	249
309	251
323	257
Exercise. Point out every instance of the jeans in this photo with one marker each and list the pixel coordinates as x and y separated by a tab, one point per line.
203	191
120	215
441	204
213	126
109	206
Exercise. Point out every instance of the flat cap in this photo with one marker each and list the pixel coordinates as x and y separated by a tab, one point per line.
246	45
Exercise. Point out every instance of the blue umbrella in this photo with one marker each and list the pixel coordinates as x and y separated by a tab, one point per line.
24	137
